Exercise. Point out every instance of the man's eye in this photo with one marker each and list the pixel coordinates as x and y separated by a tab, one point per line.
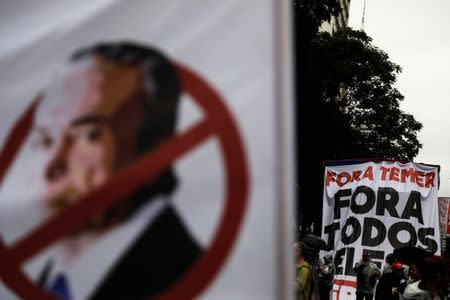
94	134
46	141
42	141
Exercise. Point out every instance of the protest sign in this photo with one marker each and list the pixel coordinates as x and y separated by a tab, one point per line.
147	150
377	206
444	221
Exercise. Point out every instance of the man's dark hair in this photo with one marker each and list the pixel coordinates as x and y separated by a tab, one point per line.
161	93
390	258
159	82
432	266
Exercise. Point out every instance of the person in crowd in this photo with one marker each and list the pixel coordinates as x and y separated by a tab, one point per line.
391	285
327	270
446	255
367	274
434	280
303	272
313	245
413	273
389	261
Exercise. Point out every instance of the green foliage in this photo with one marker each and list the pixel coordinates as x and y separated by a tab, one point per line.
359	79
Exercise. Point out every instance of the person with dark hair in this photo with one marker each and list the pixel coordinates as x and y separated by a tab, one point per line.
327	270
434	272
112	103
446	289
391	285
367	274
313	244
303	272
390	259
413	273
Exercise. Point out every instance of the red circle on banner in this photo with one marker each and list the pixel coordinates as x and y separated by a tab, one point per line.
217	121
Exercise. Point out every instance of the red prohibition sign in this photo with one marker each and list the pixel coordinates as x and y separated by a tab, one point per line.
217	121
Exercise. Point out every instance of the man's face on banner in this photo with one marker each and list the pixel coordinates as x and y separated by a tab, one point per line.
87	128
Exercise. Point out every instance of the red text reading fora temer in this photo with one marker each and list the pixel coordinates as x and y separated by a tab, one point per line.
422	179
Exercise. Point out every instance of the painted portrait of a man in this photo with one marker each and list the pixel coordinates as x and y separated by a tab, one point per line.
111	104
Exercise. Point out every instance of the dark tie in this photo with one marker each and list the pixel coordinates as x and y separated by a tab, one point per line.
60	287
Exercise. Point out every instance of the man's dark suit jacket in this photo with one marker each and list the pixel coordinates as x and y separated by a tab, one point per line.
158	258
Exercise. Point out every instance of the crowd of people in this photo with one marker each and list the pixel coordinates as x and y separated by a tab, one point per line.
425	278
314	276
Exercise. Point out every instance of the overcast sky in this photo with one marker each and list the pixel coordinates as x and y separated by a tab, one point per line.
416	35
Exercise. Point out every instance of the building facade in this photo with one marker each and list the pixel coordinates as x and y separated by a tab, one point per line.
339	21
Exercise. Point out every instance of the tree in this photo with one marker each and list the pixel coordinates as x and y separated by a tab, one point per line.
347	105
359	79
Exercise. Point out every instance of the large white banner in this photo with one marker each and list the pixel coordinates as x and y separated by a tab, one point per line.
378	206
147	150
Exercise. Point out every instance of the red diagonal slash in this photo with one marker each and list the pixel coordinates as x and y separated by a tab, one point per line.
217	122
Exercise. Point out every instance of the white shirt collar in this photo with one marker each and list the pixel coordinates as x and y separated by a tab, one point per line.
88	270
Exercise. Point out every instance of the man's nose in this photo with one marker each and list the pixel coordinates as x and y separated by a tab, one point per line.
58	165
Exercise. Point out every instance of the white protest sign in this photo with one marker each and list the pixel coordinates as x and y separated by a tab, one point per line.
147	150
379	206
